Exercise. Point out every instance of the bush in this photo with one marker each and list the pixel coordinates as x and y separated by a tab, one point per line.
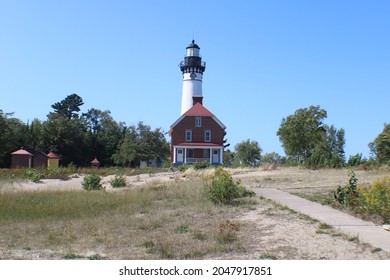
376	199
34	175
92	182
119	181
183	167
201	165
227	232
348	194
223	189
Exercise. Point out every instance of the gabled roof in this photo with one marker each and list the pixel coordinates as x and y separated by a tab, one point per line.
198	110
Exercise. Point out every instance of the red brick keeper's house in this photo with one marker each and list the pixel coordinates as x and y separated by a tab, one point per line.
197	136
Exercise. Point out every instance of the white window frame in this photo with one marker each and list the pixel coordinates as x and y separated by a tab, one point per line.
198	121
205	136
188	135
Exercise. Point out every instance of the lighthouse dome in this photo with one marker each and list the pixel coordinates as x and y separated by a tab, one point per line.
193	45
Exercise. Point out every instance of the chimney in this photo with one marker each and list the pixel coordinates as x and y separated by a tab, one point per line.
196	99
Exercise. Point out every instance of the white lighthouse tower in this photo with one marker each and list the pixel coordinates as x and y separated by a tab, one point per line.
192	68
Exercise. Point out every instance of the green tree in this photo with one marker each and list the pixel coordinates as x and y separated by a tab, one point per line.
12	136
103	135
228	158
248	153
380	147
300	133
126	153
329	151
67	138
272	158
67	108
141	143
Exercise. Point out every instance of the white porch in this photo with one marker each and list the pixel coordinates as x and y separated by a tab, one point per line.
193	154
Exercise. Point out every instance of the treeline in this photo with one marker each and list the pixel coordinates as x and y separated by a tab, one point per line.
80	137
308	141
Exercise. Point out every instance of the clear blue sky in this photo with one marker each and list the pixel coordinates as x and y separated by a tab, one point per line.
265	59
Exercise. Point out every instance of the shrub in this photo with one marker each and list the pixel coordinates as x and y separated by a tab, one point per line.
201	165
348	194
223	189
183	167
119	181
34	175
376	199
91	182
227	231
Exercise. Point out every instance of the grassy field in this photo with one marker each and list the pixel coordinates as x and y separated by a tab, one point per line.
158	221
168	216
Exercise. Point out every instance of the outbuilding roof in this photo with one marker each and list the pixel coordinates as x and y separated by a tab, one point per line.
22	152
52	155
95	161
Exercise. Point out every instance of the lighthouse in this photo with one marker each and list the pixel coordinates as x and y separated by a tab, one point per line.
197	135
192	69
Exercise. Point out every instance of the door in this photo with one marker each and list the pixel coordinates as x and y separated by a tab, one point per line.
215	156
179	157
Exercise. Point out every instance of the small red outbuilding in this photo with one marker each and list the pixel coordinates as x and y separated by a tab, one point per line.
21	158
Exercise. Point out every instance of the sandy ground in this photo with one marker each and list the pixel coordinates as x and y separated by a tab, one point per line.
279	232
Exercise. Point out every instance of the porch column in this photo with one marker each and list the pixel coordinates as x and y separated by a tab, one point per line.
174	154
211	156
185	155
220	155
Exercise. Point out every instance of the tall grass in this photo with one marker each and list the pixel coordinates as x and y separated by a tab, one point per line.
138	223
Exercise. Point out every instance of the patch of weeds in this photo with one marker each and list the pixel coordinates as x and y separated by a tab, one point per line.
376	250
354	239
194	255
267	256
146	244
72	256
336	234
227	231
323	228
34	175
268	211
92	182
307	218
181	229
96	257
267	179
164	249
183	167
199	235
119	181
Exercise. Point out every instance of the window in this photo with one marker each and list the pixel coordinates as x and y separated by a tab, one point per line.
190	153
188	135
198	121
206	153
207	136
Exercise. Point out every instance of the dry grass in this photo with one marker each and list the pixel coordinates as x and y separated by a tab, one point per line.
168	216
137	223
